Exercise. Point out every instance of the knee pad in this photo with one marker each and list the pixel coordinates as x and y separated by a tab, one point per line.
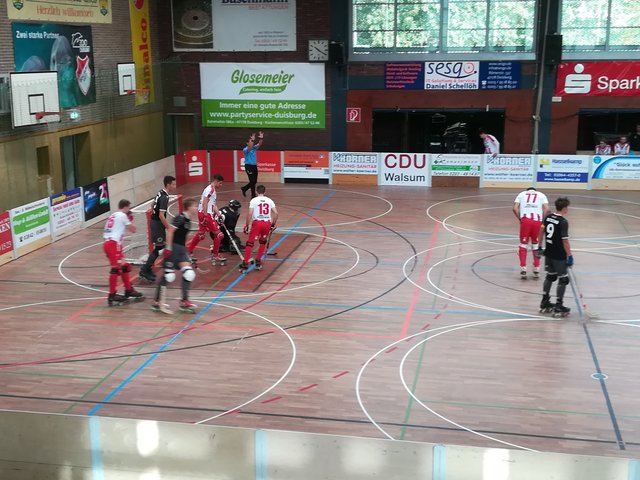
169	274
552	277
188	274
114	271
126	268
220	235
564	280
262	240
200	236
249	243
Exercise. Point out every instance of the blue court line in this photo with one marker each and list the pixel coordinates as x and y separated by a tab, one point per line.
582	273
605	392
439	465
96	449
334	262
260	446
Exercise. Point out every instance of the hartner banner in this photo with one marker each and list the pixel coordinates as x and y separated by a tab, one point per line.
610	79
262	95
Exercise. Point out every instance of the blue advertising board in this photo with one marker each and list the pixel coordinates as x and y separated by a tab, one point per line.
500	75
404	76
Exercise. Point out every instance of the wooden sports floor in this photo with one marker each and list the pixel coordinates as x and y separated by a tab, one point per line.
387	312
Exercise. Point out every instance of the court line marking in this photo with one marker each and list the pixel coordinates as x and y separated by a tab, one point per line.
150	359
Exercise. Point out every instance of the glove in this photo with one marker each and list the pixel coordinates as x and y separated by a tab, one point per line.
246	230
540	252
570	261
220	218
130	216
273	227
166	253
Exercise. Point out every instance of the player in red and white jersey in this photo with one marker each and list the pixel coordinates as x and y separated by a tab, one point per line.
622	147
208	218
491	143
115	228
603	148
530	208
261	220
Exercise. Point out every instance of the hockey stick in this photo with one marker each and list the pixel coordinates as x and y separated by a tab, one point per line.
582	306
269	244
233	242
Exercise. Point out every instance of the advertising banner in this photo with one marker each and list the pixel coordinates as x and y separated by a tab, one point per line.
30	223
405	169
306	164
66	212
67	49
234	25
268	162
455	165
67	11
96	199
195	162
616	167
404	76
262	95
221	161
351	163
6	241
141	48
508	168
563	168
500	75
451	75
610	79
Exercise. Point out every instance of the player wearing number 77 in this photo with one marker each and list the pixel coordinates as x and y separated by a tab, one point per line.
530	208
261	219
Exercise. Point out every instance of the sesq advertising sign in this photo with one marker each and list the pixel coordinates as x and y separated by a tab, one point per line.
406	169
610	79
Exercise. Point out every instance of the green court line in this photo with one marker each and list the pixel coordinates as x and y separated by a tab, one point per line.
115	369
53	375
414	385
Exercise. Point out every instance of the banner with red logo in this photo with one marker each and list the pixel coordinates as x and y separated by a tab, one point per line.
141	46
608	79
221	162
6	241
268	162
191	166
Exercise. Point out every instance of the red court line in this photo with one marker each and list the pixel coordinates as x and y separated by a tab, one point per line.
237	410
341	374
392	349
169	335
416	292
272	399
308	387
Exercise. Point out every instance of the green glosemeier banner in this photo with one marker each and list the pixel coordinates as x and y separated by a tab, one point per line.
263	113
262	95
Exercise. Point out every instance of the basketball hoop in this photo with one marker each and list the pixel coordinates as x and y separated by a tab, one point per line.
141	91
41	115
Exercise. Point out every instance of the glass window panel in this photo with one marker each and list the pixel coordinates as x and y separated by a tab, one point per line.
510	40
584	13
420	40
625	13
579	37
364	2
466	39
419	17
467	15
625	37
374	17
512	15
373	39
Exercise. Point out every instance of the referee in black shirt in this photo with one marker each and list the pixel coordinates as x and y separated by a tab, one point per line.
159	225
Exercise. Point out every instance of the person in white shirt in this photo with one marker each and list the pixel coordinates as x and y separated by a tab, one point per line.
208	218
117	224
491	143
603	148
530	208
261	220
622	147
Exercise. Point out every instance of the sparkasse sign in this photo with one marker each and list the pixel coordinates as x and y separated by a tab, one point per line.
610	79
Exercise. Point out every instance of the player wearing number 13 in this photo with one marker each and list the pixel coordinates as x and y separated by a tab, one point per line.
530	208
263	216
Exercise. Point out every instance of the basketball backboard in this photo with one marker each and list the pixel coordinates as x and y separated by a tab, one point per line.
34	98
126	78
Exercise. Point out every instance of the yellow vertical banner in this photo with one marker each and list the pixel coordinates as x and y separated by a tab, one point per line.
141	46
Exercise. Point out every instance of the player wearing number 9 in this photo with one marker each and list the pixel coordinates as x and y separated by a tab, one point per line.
261	218
557	252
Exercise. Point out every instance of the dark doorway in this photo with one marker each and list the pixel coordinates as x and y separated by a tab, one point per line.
607	124
434	131
183	133
75	154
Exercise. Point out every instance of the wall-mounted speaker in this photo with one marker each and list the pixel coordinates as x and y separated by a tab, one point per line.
337	54
553	53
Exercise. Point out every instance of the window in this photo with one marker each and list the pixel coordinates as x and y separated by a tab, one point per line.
600	25
443	26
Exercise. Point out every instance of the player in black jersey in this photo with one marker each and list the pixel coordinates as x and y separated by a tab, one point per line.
231	215
159	226
176	255
557	252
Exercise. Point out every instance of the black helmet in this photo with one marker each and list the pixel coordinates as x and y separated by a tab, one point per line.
234	205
